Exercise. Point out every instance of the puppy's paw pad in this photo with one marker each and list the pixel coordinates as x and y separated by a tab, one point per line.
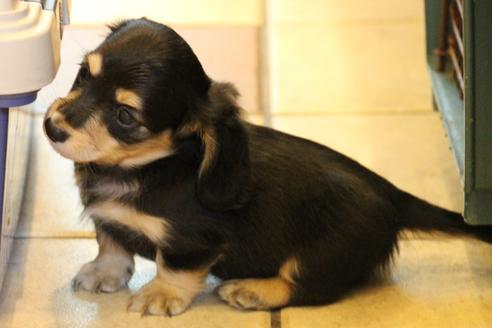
238	295
98	276
151	300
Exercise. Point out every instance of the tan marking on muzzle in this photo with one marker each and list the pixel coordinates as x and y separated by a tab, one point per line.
129	98
81	146
95	61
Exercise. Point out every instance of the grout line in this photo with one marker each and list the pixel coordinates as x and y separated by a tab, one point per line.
71	235
275	319
356	113
359	22
348	113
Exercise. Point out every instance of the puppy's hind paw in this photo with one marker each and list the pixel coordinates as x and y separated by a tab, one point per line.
255	294
239	297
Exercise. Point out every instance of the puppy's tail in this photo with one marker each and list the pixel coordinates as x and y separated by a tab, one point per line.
419	215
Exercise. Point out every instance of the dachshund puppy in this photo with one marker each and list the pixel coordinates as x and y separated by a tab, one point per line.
168	170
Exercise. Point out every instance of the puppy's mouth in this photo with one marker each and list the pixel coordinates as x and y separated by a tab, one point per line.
69	143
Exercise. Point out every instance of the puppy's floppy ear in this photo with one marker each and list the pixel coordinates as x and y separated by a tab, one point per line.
224	169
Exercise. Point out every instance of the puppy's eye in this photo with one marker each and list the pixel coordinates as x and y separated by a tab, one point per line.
83	73
125	119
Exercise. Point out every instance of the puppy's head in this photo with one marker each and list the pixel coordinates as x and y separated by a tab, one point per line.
129	96
141	90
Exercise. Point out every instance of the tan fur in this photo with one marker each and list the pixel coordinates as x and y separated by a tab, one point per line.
210	145
190	281
129	98
262	294
57	118
209	142
59	102
154	228
80	146
289	270
170	292
133	155
95	62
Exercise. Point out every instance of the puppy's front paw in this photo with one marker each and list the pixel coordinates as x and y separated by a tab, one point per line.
107	275
157	298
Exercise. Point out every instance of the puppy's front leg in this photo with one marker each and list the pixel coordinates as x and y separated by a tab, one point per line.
109	271
170	292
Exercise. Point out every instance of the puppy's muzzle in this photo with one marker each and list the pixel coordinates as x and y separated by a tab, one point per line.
55	134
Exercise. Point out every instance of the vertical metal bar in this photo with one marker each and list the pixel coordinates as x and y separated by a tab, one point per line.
458	35
459	6
4	124
441	52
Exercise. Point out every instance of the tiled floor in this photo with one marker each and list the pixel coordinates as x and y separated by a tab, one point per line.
370	101
37	293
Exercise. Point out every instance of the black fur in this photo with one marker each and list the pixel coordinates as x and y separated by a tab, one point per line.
265	196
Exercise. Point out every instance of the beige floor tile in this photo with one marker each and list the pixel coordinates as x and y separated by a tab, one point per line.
189	12
227	54
433	284
410	150
333	11
349	68
37	293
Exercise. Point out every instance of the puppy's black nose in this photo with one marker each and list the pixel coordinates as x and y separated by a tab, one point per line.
55	134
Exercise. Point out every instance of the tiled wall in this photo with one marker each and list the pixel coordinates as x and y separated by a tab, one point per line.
348	56
209	12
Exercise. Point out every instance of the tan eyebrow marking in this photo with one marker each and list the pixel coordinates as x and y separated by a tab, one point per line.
128	97
95	61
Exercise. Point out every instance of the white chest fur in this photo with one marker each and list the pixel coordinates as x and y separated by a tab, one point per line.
154	228
112	190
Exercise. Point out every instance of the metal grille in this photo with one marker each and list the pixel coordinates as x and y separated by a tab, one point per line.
451	47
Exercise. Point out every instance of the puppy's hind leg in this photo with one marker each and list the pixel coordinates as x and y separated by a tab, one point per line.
109	271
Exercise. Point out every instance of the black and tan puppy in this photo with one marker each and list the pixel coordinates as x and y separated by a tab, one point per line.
168	170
